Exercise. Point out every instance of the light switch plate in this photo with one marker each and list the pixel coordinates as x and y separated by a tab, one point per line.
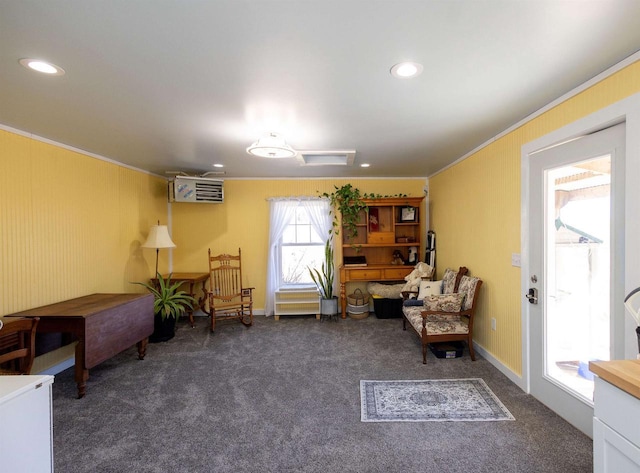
515	259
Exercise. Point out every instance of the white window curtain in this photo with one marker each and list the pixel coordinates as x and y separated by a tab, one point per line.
281	213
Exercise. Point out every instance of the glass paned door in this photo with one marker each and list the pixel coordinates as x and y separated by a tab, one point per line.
575	231
577	269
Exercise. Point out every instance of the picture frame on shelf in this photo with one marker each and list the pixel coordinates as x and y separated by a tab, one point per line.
408	214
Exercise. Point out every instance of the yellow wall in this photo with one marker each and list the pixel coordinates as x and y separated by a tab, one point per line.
243	221
475	211
71	225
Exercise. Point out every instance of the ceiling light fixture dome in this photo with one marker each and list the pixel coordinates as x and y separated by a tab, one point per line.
405	70
271	146
42	66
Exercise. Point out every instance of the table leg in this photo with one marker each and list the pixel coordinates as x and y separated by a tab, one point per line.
343	300
142	348
192	294
81	373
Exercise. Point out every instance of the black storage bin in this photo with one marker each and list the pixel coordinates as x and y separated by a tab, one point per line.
387	308
447	349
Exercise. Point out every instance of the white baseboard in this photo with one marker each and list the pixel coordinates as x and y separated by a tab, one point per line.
513	377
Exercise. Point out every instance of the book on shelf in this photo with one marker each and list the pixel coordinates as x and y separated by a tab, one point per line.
354	261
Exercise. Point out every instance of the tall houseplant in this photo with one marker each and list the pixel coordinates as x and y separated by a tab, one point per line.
323	280
169	304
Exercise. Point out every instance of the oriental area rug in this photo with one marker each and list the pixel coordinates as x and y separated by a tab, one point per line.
441	400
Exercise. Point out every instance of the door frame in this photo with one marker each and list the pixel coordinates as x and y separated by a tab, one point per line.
627	111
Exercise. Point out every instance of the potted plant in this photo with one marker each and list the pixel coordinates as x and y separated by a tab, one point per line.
169	304
348	202
323	280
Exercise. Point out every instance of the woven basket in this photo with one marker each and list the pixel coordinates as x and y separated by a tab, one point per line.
358	311
358	298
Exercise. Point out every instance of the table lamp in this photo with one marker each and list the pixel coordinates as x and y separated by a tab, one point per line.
158	238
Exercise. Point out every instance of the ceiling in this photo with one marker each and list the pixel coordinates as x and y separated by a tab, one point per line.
179	85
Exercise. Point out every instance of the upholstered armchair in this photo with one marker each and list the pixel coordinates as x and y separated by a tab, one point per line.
443	310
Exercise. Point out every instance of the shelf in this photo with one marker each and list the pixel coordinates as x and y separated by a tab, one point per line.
379	229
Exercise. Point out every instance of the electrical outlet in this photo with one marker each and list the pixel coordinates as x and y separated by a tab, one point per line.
493	324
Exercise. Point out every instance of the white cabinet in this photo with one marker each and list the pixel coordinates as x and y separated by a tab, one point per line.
27	425
616	430
297	302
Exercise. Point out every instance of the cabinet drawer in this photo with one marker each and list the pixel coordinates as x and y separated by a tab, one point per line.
365	274
387	238
399	273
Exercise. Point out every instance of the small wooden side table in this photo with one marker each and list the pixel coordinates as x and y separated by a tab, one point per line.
191	279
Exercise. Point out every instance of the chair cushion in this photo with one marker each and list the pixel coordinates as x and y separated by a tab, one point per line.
429	288
468	287
449	281
444	302
437	324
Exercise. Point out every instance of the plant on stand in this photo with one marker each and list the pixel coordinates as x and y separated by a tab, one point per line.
169	304
323	280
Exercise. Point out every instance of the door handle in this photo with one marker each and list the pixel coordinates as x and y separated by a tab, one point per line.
532	295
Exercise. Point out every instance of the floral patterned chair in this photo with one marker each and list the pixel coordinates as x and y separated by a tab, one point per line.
445	317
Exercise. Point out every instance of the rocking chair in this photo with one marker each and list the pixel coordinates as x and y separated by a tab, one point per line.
228	300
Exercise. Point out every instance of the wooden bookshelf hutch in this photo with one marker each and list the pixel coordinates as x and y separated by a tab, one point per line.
389	224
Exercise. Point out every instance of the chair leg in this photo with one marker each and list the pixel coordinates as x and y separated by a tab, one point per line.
471	351
213	320
424	353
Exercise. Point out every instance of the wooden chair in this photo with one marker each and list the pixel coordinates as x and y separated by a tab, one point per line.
446	317
18	345
228	299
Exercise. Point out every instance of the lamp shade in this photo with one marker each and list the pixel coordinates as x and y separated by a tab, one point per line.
159	238
271	146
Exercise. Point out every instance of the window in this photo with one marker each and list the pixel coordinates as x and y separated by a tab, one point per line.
300	248
298	229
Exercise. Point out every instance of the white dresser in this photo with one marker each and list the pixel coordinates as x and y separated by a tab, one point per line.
616	422
26	423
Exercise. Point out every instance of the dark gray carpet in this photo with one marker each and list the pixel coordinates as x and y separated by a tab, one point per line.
285	397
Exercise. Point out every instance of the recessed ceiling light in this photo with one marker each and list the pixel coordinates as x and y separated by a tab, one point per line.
42	66
405	70
365	165
218	165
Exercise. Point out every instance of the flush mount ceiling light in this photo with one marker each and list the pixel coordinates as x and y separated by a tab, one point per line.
42	66
405	70
271	146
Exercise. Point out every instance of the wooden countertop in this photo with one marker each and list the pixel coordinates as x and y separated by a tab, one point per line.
624	374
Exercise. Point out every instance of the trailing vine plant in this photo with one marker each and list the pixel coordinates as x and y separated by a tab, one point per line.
348	201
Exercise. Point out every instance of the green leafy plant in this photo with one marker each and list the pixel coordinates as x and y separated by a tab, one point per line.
348	202
323	279
169	301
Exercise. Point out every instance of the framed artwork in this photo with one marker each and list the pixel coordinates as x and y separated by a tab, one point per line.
408	214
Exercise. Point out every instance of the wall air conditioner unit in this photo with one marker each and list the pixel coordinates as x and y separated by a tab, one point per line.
196	189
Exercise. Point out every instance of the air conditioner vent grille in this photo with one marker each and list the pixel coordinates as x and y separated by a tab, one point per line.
196	190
